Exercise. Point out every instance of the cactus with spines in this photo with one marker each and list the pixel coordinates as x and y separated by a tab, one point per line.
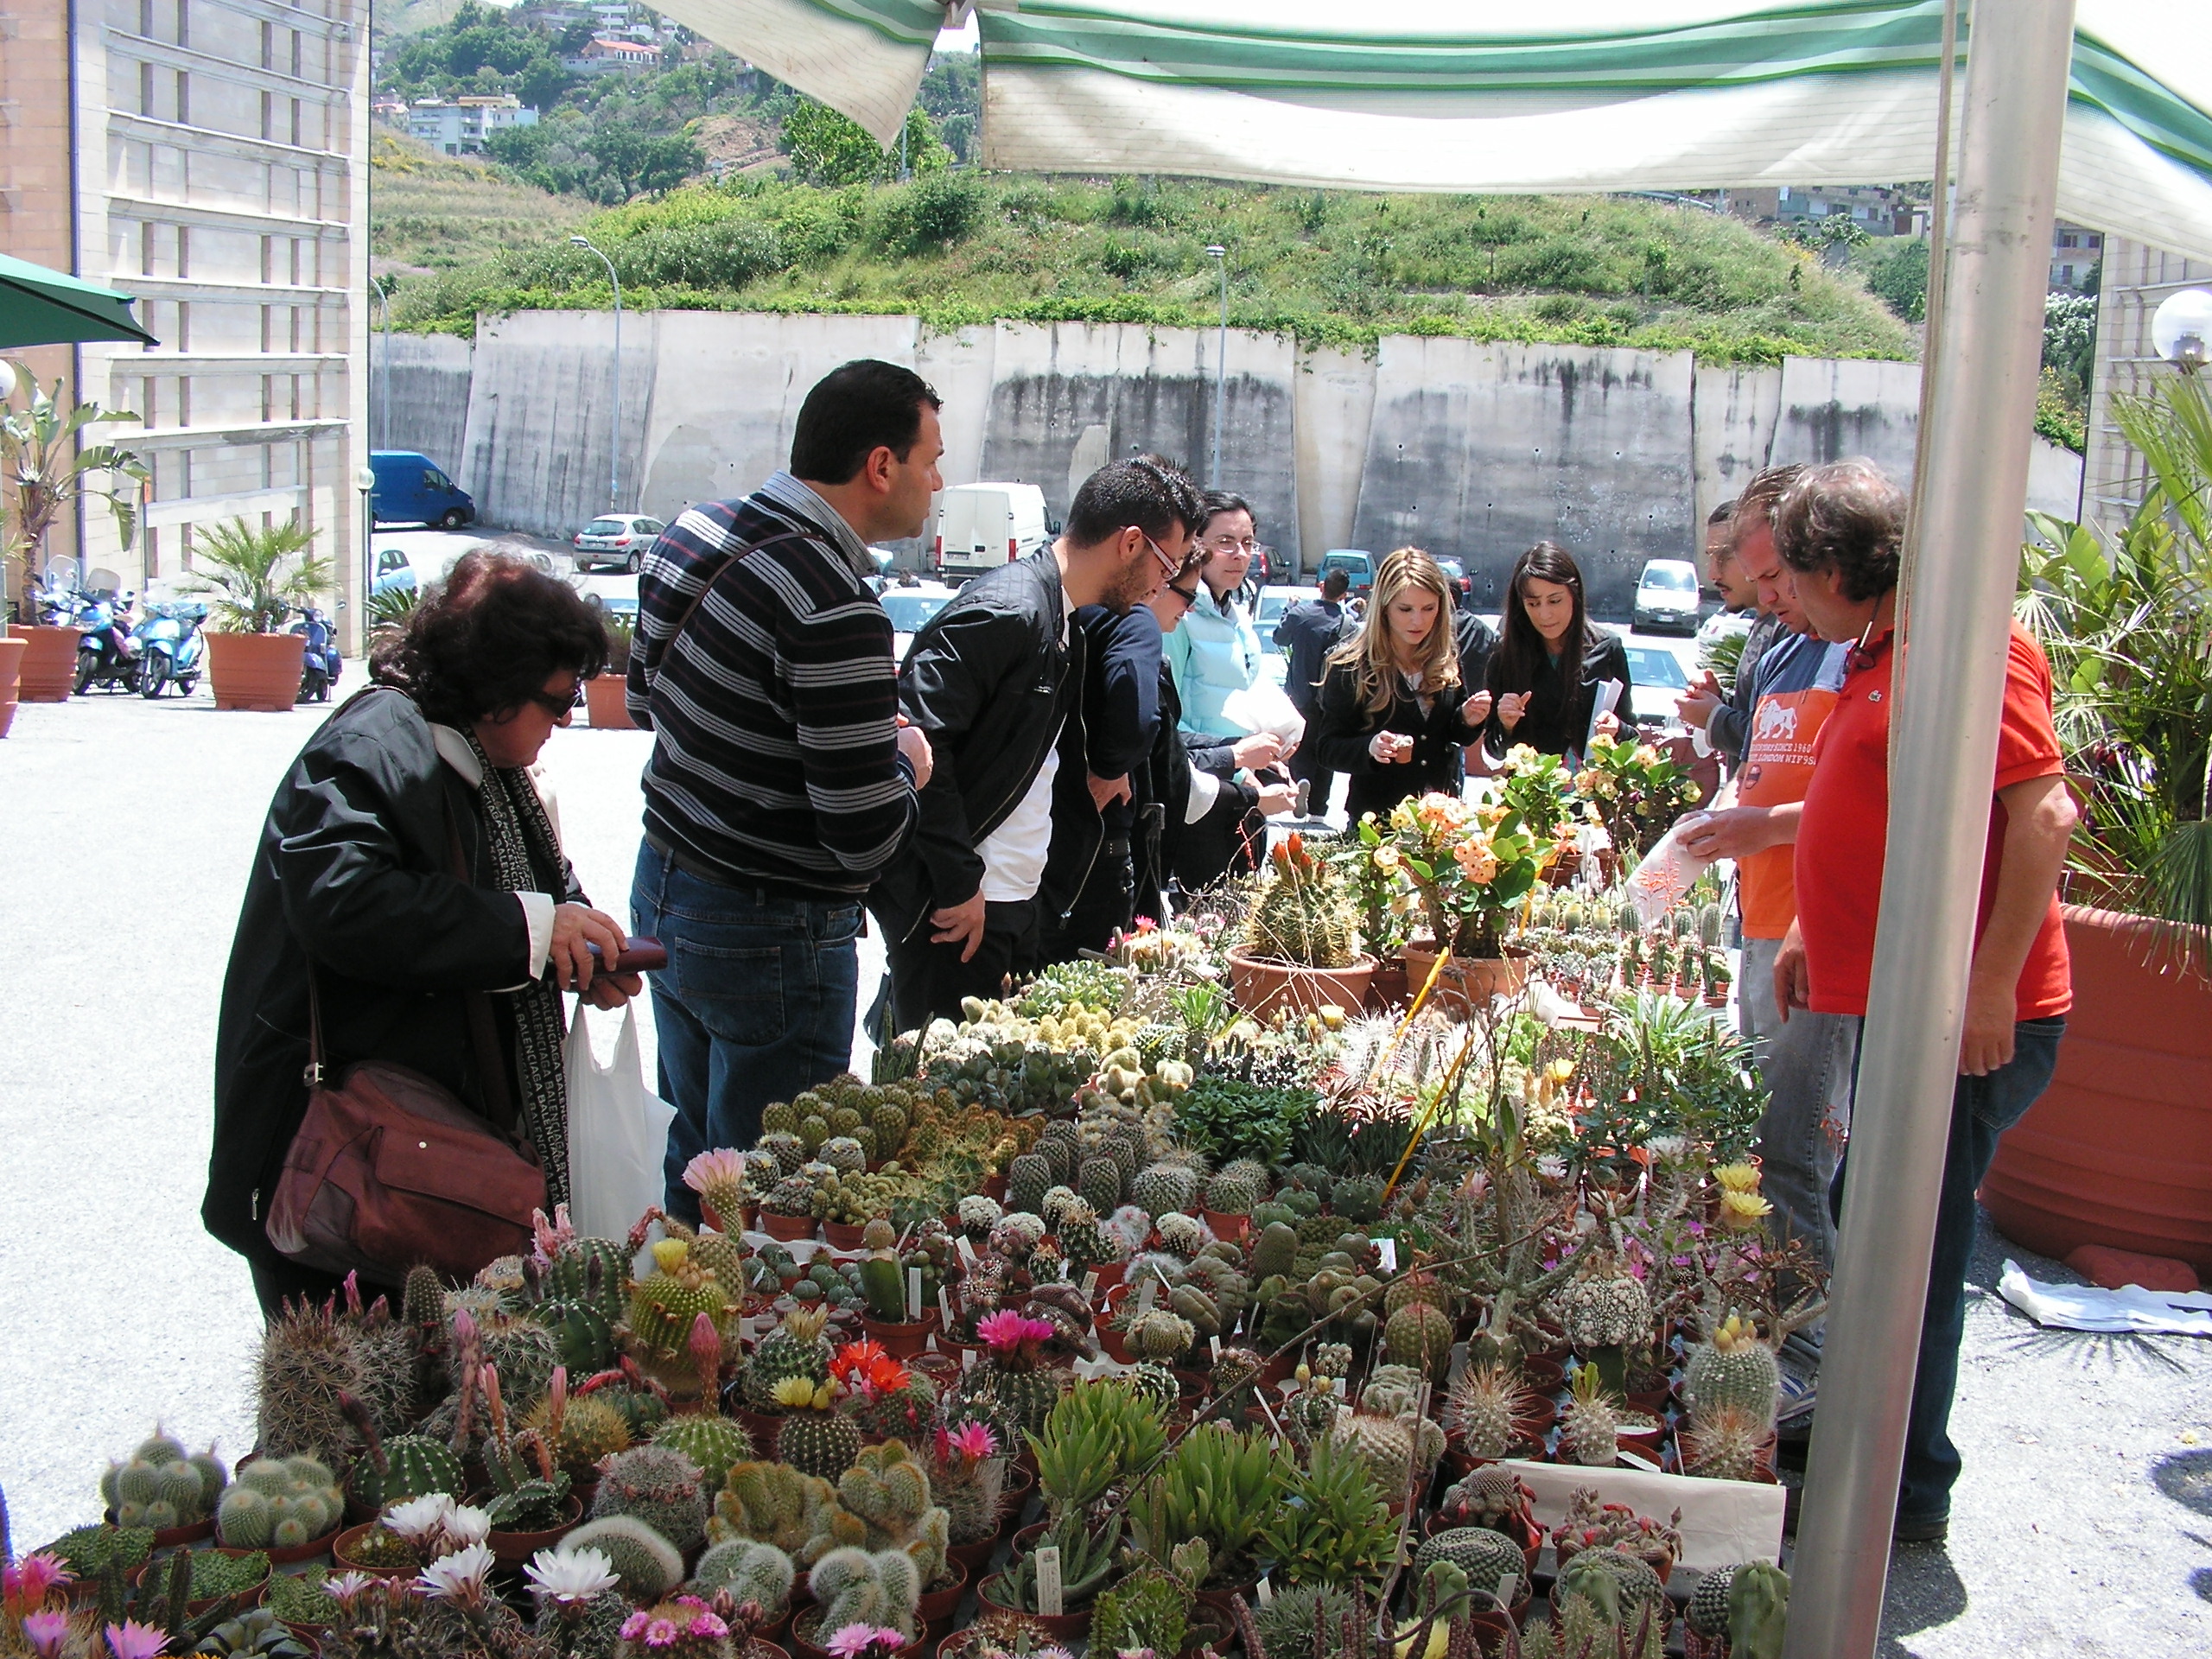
1490	1496
1101	1183
723	1257
1180	1234
524	1352
844	1153
310	1360
1275	1251
786	1150
1155	1383
163	1485
713	1443
1357	1199
1487	1405
1605	1312
1231	1192
1590	1429
646	1562
1488	1559
1164	1189
1725	1443
658	1486
279	1504
750	1571
859	1586
414	1465
591	1428
593	1270
1735	1369
664	1305
795	1348
1028	1178
1758	1610
1419	1335
1398	1451
583	1336
891	1492
773	1504
1707	1613
1160	1335
1084	1240
813	1439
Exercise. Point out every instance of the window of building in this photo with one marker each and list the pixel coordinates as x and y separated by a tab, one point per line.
183	99
268	44
184	23
296	123
184	325
183	251
146	249
146	90
268	120
299	54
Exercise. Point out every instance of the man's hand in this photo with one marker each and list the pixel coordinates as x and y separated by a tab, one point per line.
961	925
1793	987
1262	749
1511	707
916	747
1277	798
613	990
1476	709
576	928
1731	832
1695	706
1103	790
1987	1042
1391	748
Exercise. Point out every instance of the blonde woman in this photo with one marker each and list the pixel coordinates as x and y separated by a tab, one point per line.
1394	714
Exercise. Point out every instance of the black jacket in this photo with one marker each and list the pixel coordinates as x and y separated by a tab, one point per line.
1307	632
1557	720
354	872
1477	644
1166	847
1121	698
989	680
1346	726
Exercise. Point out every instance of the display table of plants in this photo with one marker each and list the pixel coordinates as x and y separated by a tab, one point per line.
1109	1314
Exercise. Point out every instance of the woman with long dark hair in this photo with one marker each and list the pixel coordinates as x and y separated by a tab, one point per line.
410	866
1545	674
1394	714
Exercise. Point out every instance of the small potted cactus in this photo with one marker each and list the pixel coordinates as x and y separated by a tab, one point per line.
1229	1197
1300	950
290	1507
166	1490
787	1209
883	1287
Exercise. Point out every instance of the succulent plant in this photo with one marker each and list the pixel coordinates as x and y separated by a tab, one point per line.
773	1503
813	1439
1304	1622
163	1485
646	1562
1398	1450
592	1427
658	1486
1725	1443
1604	1312
1735	1370
1589	1430
1488	1559
280	1504
713	1443
859	1586
1487	1406
257	1632
310	1358
795	1348
889	1490
1231	1192
1420	1335
750	1571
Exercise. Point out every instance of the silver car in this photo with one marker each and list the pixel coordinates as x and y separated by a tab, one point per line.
618	539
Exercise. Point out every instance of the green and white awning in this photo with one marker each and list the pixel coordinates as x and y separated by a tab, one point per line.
1470	95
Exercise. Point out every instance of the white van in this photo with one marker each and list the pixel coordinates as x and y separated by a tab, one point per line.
982	526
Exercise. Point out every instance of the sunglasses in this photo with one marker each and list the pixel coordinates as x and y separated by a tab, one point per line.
1188	595
556	705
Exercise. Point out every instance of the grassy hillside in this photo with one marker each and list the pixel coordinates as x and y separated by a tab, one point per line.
428	212
1328	267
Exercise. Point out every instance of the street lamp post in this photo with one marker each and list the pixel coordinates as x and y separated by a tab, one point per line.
614	428
1219	255
364	482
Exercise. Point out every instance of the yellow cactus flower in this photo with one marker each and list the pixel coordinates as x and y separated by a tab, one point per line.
670	1253
1386	858
1742	1211
803	1393
1561	1069
1738	1178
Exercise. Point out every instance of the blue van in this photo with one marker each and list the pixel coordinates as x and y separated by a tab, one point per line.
410	490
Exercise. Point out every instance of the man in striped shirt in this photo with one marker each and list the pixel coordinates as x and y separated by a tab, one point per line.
783	779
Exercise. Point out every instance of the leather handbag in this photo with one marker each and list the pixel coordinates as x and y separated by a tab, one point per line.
390	1168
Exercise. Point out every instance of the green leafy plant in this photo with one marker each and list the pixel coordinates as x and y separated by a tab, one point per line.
1217	1485
1095	1436
1226	1119
1332	1526
261	573
47	465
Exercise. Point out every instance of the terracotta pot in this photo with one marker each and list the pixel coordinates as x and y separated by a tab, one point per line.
1542	1373
936	1607
341	1549
844	1235
49	670
12	668
174	1537
902	1340
1062	1627
2118	1150
1226	1226
255	670
513	1548
973	1557
811	1619
1387	988
789	1228
605	701
1264	989
1115	1346
1466	981
140	1575
995	1186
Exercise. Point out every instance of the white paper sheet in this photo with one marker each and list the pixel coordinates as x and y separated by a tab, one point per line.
1724	1522
2087	1307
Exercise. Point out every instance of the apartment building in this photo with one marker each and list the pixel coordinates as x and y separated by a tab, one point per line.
211	157
459	128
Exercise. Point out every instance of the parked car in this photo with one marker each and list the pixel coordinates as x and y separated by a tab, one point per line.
617	539
1723	624
910	607
1667	595
412	490
1267	611
1356	562
982	526
1463	587
1657	680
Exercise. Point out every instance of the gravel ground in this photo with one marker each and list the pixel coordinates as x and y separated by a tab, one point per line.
2083	1524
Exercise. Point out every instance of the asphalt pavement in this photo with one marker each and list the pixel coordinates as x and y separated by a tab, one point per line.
2083	1524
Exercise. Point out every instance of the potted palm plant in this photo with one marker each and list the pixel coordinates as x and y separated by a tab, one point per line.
605	693
258	573
2118	1150
45	465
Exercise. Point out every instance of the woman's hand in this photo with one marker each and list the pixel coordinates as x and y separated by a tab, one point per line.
1390	748
1608	726
1476	709
613	990
1277	798
1262	749
576	928
1511	707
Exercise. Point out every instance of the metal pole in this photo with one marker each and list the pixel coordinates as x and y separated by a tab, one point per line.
1220	256
383	369
614	426
1969	497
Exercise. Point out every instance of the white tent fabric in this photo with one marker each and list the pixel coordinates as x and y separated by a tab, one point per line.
1471	95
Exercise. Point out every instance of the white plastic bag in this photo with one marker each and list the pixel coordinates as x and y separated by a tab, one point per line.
1666	873
618	1133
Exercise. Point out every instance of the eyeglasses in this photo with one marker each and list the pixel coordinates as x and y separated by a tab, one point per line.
1862	656
556	705
1173	566
1188	595
1232	544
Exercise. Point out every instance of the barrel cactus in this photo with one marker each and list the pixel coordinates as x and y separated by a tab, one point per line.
648	1563
163	1485
1734	1370
279	1504
657	1485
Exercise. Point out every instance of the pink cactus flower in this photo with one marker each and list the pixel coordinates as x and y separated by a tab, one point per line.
44	1631
132	1640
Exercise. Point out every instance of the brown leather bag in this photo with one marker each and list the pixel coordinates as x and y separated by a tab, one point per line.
390	1168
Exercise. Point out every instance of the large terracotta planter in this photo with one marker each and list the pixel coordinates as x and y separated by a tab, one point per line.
49	665
255	670
604	697
12	668
2118	1150
1264	989
1466	983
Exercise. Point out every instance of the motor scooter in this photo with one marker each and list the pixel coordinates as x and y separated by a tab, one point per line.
320	663
107	654
171	648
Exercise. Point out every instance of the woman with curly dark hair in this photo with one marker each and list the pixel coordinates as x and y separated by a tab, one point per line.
409	866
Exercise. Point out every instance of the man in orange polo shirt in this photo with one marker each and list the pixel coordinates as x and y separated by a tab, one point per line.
1839	529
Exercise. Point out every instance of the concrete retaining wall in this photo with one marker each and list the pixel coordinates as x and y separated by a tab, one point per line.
1468	448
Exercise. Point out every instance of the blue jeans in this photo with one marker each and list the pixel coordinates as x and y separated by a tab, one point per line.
1982	1109
756	1004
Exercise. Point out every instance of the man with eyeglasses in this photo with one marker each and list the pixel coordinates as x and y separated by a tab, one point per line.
1009	825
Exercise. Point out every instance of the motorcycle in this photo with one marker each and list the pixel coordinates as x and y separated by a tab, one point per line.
320	664
108	654
171	648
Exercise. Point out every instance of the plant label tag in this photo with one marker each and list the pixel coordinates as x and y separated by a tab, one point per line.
967	1359
1147	1290
944	1307
1090	1284
1215	1343
967	1250
745	1329
1389	1248
913	1295
1048	1580
1266	1590
1508	1587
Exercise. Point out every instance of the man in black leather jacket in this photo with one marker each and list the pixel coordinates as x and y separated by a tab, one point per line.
1008	826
